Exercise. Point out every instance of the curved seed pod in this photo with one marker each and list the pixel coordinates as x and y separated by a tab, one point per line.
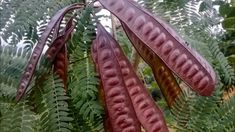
60	41
117	100
147	112
30	68
57	53
185	62
165	79
58	44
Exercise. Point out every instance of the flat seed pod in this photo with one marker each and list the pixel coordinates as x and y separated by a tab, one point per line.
185	62
147	112
31	66
165	79
119	106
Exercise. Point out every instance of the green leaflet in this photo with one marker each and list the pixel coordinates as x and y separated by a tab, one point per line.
12	61
83	79
51	103
26	16
18	118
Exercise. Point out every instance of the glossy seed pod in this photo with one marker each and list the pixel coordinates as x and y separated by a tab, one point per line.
185	62
119	106
31	66
149	115
165	79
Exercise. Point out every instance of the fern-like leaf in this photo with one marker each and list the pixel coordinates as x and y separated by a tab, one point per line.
84	80
18	118
20	18
51	102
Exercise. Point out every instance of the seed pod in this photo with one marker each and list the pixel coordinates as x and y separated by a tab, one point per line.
60	41
185	62
165	79
58	44
147	112
117	100
61	65
107	123
57	53
30	68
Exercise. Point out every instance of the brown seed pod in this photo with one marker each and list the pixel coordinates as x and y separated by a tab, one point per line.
60	41
119	106
185	62
61	65
107	123
57	53
147	112
30	68
165	79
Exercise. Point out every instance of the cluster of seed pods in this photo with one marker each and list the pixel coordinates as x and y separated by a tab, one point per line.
185	62
31	66
127	102
122	85
117	101
165	79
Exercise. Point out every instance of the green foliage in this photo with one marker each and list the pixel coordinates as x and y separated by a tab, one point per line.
125	43
12	61
14	117
224	116
83	78
49	107
18	118
20	18
198	114
51	103
227	11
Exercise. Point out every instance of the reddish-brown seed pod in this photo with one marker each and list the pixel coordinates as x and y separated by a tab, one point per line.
59	42
165	79
61	65
30	68
119	106
107	123
147	112
185	62
57	53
